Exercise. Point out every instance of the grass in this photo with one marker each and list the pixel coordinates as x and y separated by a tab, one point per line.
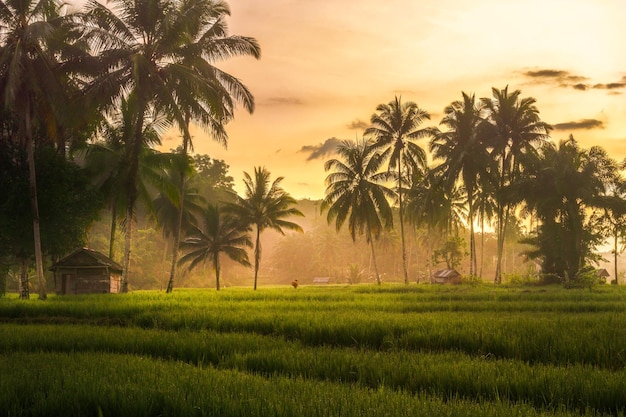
421	350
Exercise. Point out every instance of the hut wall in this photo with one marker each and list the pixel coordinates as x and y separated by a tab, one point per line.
83	281
115	283
90	280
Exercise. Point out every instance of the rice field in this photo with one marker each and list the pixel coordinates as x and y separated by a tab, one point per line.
317	351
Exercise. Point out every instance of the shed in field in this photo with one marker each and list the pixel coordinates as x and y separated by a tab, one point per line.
447	276
603	274
86	271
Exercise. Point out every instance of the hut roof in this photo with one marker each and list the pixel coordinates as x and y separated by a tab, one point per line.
446	273
85	257
602	273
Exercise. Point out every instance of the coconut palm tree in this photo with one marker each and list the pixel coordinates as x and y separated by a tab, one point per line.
31	82
518	130
166	202
395	127
219	233
210	97
158	50
436	206
108	160
464	153
266	205
355	191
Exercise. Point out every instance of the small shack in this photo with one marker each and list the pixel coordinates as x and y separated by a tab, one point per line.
446	276
86	271
602	274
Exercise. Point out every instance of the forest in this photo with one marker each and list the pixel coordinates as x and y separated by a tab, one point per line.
87	96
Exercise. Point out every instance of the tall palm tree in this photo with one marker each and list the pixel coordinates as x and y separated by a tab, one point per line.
210	97
465	155
485	208
166	202
355	191
435	205
109	163
151	47
30	82
518	130
266	205
219	233
395	127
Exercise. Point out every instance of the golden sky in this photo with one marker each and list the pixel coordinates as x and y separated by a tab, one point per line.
327	64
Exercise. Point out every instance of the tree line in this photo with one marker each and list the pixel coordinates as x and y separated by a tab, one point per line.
87	95
492	161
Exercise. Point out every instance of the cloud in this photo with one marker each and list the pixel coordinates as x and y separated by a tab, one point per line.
321	150
282	101
566	79
358	124
560	77
610	86
583	124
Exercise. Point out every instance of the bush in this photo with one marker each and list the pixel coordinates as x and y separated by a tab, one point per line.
587	277
522	279
471	280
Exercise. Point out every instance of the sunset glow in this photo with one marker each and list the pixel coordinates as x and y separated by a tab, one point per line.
326	65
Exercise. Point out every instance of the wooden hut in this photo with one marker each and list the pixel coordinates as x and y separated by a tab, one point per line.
86	271
603	274
446	276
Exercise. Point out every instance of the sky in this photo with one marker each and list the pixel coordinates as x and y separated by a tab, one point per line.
327	64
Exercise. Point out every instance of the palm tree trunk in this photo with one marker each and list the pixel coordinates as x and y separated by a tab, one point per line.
131	188
615	254
257	255
216	262
35	209
113	230
371	242
404	267
128	238
472	237
177	236
23	280
179	222
482	245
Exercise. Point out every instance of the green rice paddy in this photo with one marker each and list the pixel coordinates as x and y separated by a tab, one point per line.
317	351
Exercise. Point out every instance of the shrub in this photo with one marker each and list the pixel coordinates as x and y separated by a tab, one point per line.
522	279
471	280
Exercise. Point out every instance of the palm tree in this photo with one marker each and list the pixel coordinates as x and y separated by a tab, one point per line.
157	49
166	202
209	98
465	154
433	204
485	207
219	233
31	82
394	127
265	205
109	162
518	130
355	191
